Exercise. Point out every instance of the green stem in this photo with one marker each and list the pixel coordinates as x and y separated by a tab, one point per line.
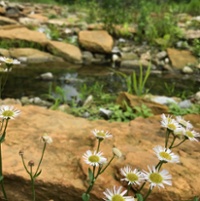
172	143
129	187
159	165
45	144
93	180
100	171
25	165
167	138
90	187
179	143
32	183
1	175
33	188
4	131
98	147
148	193
141	187
107	165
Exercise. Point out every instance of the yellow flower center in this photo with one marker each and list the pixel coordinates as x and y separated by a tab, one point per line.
165	155
9	60
94	159
101	134
132	177
156	178
171	126
117	198
8	113
189	134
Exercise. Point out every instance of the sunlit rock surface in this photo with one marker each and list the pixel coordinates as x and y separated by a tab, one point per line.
64	173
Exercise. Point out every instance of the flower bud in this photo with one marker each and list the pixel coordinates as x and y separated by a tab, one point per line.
31	163
47	139
117	152
21	152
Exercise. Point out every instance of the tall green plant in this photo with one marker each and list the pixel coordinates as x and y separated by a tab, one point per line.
136	83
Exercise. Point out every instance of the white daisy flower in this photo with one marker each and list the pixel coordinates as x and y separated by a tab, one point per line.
169	123
183	122
179	132
117	195
191	134
47	139
8	112
166	155
131	176
101	134
157	178
9	61
94	159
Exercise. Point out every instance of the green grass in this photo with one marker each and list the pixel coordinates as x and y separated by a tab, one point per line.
7	44
36	1
178	111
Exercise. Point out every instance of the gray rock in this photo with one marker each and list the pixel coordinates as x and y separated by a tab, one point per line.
197	97
122	40
105	113
187	70
129	56
39	101
47	76
35	101
185	104
161	55
134	63
164	100
86	115
115	50
87	57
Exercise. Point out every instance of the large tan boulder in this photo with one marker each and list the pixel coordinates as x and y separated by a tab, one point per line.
7	21
181	58
135	101
30	55
96	41
4	52
64	173
39	17
24	34
67	51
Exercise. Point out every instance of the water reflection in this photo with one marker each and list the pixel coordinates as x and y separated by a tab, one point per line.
23	81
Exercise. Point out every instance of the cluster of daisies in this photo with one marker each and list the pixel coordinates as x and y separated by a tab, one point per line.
179	128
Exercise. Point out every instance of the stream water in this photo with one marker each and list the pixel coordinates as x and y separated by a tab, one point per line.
24	81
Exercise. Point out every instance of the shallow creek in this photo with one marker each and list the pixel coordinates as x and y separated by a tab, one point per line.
25	81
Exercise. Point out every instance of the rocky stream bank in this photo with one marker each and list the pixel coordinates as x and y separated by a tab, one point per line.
64	173
30	34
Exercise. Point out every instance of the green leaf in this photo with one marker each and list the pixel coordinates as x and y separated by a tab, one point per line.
139	197
1	178
85	197
196	198
3	137
90	174
38	173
